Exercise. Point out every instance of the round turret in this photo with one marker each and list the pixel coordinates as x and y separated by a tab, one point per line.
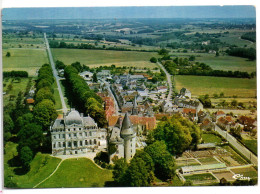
126	129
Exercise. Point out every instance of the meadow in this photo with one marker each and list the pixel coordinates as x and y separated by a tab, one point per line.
80	172
41	167
23	59
105	57
201	85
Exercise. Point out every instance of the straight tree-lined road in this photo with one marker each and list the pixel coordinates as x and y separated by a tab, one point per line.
55	74
168	76
248	154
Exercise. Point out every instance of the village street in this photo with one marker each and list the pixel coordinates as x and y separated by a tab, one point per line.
168	76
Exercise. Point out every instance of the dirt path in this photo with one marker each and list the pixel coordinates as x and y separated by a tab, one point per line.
49	175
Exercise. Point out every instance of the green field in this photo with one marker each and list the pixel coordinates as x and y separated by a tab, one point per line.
252	145
80	172
41	167
228	63
105	57
24	60
201	85
211	138
16	42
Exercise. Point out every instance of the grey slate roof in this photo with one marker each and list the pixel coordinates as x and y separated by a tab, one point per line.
126	129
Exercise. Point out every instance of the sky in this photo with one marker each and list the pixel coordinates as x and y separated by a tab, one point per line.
130	12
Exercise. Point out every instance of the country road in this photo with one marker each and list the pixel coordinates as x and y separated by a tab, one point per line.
248	154
55	74
168	76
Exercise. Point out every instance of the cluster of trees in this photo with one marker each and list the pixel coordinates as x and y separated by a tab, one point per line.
178	133
205	100
83	98
15	74
251	36
249	53
153	161
59	65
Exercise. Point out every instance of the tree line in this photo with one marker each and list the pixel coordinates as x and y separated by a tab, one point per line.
251	36
57	44
15	74
28	126
249	53
84	99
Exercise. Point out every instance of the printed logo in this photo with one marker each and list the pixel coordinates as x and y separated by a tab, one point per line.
240	177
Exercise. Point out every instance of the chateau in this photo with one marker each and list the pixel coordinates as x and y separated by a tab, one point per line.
75	134
123	138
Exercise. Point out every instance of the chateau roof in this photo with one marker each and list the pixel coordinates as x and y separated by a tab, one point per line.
126	129
73	118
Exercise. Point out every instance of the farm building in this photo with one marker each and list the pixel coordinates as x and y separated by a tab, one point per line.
202	168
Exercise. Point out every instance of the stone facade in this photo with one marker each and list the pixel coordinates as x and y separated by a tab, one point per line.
75	134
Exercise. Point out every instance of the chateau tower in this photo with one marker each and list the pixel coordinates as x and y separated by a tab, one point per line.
129	135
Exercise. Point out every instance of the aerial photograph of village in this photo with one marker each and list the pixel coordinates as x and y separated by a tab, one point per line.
129	97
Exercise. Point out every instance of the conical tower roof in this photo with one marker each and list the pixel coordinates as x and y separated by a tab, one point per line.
126	129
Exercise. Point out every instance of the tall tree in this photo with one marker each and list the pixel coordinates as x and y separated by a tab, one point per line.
44	113
163	160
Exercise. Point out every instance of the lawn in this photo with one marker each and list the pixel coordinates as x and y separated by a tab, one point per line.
41	167
201	85
211	138
24	60
80	172
105	57
252	145
56	95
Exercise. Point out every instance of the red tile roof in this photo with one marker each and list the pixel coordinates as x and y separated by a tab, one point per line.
149	122
30	101
220	113
189	110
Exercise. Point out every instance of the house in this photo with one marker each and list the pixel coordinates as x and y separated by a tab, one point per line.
226	123
87	75
190	113
185	92
248	123
219	114
104	74
207	124
168	107
162	89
